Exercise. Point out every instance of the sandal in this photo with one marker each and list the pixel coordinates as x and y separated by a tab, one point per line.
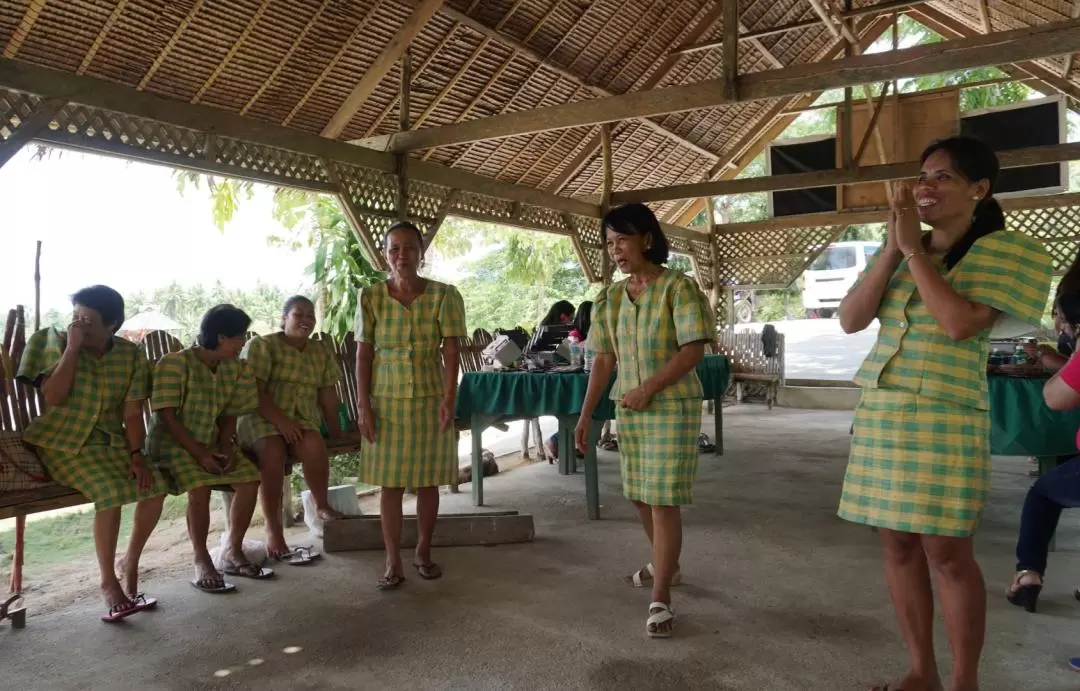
705	445
214	586
391	582
120	610
642	577
1024	595
252	571
660	613
299	556
429	572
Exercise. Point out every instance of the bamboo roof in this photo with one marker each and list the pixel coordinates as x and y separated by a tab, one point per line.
295	62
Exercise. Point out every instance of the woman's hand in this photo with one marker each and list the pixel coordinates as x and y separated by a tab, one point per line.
581	432
365	424
638	399
76	333
212	461
906	224
291	431
446	414
144	478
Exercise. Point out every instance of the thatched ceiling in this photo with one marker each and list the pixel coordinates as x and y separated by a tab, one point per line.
294	62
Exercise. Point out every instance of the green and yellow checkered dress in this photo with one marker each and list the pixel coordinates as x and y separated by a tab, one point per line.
293	377
200	397
658	447
81	441
407	385
920	453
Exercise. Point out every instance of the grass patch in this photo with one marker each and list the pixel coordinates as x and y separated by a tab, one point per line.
70	536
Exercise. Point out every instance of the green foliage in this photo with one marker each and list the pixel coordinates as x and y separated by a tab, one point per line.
187	304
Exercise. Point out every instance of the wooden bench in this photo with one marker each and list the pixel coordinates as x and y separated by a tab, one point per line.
751	369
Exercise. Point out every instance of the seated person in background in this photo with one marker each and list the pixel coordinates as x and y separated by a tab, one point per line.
562	312
91	435
198	393
582	322
1058	489
1050	358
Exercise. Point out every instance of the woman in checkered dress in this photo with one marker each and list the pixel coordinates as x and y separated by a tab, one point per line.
198	394
655	325
919	468
296	379
90	437
406	380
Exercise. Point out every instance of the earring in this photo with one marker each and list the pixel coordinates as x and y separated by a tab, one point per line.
976	198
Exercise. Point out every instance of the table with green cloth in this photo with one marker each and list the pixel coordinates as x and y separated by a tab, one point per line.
485	398
1022	425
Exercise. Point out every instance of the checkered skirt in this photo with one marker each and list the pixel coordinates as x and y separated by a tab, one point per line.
183	473
917	465
658	451
409	449
101	473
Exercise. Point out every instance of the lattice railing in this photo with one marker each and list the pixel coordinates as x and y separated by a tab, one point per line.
776	257
1057	227
15	108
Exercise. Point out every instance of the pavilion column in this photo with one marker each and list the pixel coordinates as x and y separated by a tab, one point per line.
605	200
401	159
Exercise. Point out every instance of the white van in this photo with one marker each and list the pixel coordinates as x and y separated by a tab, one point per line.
830	276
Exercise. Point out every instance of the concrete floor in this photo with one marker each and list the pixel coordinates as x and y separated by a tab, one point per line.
780	594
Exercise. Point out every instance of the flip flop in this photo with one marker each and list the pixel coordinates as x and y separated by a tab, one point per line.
212	586
120	611
298	557
390	582
142	602
252	571
429	572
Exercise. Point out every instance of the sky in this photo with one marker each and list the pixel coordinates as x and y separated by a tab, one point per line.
105	220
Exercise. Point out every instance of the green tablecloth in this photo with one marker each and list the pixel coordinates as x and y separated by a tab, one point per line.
533	394
1022	425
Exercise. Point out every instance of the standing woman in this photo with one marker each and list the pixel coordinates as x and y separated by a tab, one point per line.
198	393
406	390
655	325
91	435
297	380
919	468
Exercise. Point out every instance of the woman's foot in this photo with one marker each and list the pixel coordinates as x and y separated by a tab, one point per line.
643	577
1025	589
912	682
128	575
328	514
391	580
118	604
661	621
276	547
208	579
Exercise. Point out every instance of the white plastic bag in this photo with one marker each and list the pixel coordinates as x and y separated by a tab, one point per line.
342	498
254	550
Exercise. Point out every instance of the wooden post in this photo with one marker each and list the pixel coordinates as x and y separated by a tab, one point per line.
730	60
605	200
401	159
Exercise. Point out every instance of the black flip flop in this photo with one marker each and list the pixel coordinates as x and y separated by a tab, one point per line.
251	571
425	571
390	582
212	586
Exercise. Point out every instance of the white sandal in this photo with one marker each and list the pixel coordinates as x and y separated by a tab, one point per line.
656	619
642	577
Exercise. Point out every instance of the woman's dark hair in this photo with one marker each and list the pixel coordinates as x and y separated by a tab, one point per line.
1070	282
225	320
555	314
1068	306
638	219
293	302
976	161
105	301
404	225
583	319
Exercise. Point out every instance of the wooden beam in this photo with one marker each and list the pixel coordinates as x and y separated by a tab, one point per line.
29	18
444	210
879	8
688	48
28	129
1009	46
233	50
100	39
1074	13
169	45
984	16
825	17
872	128
1014	158
730	59
286	58
90	91
390	54
401	161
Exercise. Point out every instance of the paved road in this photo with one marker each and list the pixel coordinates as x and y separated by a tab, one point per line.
818	349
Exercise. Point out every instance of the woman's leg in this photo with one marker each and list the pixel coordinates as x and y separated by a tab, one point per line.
427	513
147	513
245	495
390	517
198	524
310	451
666	548
271	453
106	533
1058	489
645	515
963	601
908	576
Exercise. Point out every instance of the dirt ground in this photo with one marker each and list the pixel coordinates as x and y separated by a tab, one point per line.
168	554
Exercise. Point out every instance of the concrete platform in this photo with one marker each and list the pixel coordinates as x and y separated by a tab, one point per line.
780	594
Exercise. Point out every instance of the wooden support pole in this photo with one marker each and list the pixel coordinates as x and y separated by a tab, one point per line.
605	200
879	8
745	36
714	258
872	128
1067	67
401	161
730	62
390	54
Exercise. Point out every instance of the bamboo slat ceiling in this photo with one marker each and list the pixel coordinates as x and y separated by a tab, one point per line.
295	62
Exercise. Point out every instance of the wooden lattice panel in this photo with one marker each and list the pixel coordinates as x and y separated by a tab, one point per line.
370	191
1058	228
543	219
15	108
475	205
280	163
426	200
703	259
586	232
722	309
85	126
775	257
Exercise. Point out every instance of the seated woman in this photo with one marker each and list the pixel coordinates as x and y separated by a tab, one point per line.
91	434
1058	489
582	322
562	312
296	378
198	392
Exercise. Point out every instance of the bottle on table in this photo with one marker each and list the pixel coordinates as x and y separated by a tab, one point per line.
577	352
